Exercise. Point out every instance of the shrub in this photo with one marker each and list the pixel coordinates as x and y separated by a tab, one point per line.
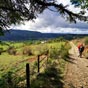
61	52
44	50
54	53
60	39
86	41
41	49
10	80
64	51
37	42
1	50
11	50
85	53
28	42
27	51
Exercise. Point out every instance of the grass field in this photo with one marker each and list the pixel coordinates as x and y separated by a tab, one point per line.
15	64
6	59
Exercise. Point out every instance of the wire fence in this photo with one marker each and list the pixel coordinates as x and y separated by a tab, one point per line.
32	70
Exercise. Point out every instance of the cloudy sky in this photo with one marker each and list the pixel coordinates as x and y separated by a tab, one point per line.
52	22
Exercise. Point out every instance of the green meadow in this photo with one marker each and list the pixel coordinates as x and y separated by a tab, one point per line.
15	55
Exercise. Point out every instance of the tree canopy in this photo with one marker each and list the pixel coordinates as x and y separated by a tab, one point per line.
17	11
80	3
83	4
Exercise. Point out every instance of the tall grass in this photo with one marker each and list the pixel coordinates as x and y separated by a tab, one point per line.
86	41
11	67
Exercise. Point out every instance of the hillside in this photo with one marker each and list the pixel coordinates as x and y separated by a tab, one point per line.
21	35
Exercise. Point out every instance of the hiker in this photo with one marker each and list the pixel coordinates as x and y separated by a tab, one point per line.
80	49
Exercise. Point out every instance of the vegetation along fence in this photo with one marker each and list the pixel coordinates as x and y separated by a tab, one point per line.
33	70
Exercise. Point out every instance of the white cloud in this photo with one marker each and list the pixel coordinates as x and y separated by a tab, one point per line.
65	2
52	22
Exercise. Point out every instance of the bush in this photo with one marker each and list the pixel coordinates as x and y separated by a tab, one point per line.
27	51
28	42
41	49
60	39
44	50
54	53
10	80
86	41
62	52
11	50
37	42
1	50
86	55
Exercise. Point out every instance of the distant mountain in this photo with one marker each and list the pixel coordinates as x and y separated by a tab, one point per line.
21	35
16	35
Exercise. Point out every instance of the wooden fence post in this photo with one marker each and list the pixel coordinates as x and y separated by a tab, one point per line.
38	64
28	75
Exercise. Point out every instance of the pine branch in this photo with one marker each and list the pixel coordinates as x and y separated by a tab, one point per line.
60	7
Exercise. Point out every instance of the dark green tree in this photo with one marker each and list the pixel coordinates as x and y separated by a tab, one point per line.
17	11
80	3
83	4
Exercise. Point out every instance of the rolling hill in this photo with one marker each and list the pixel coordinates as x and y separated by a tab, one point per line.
22	35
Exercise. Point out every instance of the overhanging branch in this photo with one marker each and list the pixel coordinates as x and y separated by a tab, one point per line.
71	14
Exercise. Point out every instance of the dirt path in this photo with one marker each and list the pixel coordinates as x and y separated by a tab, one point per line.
77	70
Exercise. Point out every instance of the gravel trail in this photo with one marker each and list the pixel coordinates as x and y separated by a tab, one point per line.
77	70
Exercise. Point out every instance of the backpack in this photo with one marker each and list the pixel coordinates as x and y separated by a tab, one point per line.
81	48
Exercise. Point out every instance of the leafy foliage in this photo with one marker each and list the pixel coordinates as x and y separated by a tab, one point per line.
54	53
60	39
83	4
1	50
86	41
17	11
80	3
27	51
61	52
11	50
64	51
40	49
12	75
52	77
